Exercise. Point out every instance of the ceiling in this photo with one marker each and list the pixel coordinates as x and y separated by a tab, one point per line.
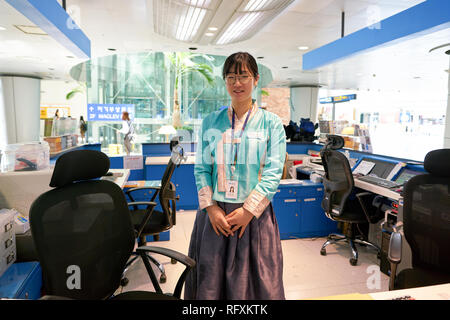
127	26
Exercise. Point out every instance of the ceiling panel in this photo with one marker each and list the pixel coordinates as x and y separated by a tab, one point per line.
127	26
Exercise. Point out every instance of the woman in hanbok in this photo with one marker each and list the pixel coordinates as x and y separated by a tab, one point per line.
239	162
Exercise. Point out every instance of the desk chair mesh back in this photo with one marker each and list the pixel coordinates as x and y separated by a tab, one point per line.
339	201
338	182
426	223
82	229
148	221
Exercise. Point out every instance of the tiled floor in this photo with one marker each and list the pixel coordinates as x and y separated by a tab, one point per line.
306	274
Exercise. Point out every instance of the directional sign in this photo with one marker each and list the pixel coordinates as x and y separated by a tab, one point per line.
109	112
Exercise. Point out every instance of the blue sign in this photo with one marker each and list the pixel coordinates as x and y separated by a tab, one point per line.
337	99
109	112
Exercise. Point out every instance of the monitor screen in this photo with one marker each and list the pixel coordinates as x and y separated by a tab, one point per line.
405	175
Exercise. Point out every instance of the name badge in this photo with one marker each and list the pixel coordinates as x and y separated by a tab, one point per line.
231	189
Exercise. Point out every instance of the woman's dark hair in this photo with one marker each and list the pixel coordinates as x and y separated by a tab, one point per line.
125	115
239	60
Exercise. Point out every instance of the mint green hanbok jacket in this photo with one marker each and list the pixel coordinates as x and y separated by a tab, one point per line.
261	152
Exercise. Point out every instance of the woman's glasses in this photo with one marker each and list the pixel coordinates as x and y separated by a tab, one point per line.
242	79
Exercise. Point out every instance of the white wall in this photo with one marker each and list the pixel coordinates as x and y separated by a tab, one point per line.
19	109
53	93
447	117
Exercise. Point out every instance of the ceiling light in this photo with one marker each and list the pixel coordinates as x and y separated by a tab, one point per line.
31	30
2	28
246	22
212	29
209	34
182	19
303	48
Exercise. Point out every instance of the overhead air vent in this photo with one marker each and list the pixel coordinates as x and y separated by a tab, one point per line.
31	30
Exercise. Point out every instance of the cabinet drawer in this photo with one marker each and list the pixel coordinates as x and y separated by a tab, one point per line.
286	193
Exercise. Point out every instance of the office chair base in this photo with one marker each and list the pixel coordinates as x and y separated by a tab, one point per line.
334	238
162	278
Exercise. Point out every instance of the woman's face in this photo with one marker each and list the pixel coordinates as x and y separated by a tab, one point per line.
240	85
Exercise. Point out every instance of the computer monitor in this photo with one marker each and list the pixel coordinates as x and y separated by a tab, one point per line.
405	175
379	168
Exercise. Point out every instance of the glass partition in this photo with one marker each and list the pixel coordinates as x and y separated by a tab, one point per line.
166	88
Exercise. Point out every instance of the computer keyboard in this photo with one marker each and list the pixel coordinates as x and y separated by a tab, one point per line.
378	181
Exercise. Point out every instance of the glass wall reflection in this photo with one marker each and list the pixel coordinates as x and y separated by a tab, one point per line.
166	88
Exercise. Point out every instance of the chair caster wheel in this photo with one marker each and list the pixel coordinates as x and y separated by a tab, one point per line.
162	279
323	252
173	261
353	262
124	282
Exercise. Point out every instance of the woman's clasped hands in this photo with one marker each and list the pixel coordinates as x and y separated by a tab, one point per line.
228	224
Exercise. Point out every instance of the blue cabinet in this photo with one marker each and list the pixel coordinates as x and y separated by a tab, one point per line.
184	181
299	213
287	212
22	280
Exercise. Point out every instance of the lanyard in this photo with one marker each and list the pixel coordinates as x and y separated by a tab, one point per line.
233	152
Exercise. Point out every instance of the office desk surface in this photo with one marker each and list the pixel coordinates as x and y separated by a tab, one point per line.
389	193
119	180
437	292
18	190
163	160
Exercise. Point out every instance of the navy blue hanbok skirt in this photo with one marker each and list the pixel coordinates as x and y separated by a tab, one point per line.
229	268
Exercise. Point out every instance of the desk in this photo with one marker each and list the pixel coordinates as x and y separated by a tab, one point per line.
18	190
389	193
437	292
374	229
119	180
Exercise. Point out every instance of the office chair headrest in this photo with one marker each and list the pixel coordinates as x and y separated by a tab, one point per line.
437	162
334	142
79	165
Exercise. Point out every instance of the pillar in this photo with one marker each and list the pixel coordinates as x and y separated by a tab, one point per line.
304	103
19	109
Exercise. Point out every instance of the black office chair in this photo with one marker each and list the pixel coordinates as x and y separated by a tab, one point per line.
340	202
148	221
84	235
426	225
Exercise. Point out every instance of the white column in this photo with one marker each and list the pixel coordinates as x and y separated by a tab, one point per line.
19	109
304	103
447	118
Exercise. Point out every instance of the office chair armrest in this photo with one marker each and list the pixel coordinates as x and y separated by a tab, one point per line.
129	191
187	261
144	203
394	256
141	188
334	186
372	217
184	259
